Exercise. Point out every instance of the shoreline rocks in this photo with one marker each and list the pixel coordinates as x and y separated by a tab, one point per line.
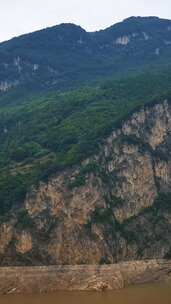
46	279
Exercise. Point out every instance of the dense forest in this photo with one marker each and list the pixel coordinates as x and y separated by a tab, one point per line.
65	56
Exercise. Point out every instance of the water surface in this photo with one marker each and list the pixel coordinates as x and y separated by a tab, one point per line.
141	294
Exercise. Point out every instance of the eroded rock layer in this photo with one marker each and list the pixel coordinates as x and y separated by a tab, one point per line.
96	278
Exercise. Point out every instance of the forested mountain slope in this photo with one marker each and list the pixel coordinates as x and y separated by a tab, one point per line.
66	56
85	173
49	134
112	206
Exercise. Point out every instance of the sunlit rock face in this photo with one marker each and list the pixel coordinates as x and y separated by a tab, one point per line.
105	210
24	242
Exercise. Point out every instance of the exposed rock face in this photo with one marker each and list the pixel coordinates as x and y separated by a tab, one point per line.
5	85
123	40
24	243
5	236
105	211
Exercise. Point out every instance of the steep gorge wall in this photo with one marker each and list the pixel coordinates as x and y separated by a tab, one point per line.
105	210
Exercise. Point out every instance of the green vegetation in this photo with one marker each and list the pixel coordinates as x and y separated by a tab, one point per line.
12	191
24	220
80	178
65	57
133	228
48	134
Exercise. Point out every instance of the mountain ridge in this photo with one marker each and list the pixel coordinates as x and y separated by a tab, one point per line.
63	24
64	57
86	173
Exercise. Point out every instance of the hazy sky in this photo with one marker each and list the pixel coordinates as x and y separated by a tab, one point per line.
23	16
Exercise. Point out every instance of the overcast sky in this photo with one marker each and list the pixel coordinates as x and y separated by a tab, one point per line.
23	16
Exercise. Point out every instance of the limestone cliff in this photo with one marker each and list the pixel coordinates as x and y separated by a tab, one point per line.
115	206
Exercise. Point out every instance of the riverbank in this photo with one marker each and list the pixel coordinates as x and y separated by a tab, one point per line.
45	279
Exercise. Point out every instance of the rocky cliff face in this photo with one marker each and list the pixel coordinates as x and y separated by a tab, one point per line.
116	206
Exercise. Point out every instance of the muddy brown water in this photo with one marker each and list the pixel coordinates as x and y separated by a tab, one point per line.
141	294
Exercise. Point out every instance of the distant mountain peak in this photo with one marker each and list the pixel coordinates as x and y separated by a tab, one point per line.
65	56
140	18
70	26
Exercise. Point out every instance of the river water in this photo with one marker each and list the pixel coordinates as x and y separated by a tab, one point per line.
141	294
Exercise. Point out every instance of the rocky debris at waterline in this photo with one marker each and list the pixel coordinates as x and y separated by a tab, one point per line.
84	277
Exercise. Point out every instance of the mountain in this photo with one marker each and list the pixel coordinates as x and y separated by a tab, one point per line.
66	56
113	206
86	173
